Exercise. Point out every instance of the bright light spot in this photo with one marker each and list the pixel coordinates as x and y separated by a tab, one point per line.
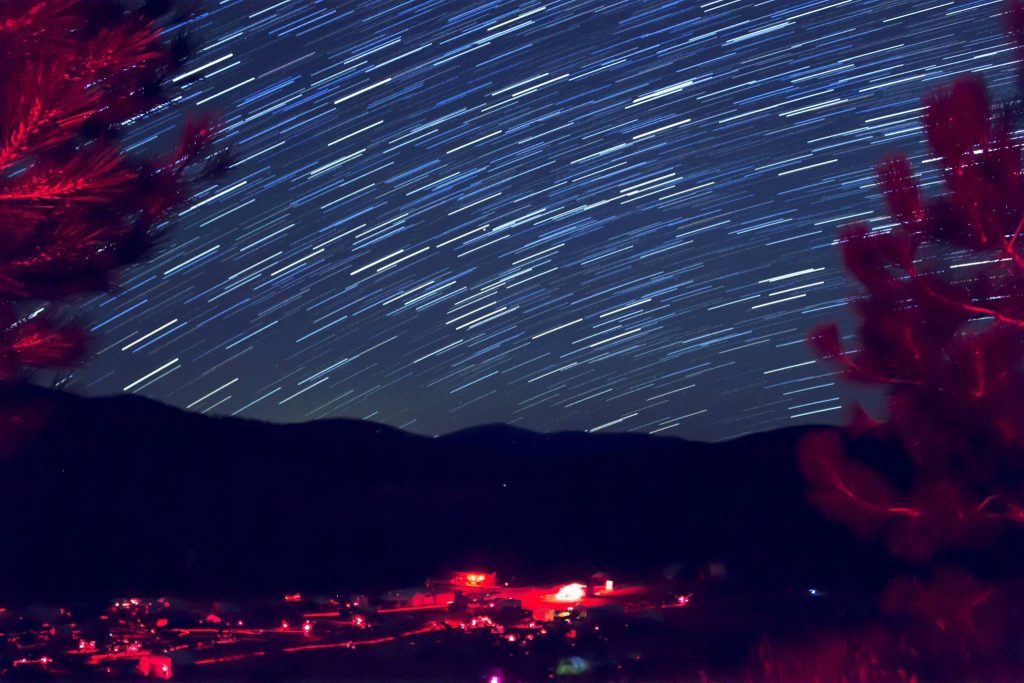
572	592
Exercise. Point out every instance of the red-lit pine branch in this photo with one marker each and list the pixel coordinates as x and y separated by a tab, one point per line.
942	329
75	208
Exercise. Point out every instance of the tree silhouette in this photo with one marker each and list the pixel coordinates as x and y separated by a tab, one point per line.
942	329
75	207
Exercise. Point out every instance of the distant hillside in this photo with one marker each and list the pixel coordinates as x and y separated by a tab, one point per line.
121	495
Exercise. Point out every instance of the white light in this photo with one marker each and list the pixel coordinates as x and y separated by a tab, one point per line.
572	592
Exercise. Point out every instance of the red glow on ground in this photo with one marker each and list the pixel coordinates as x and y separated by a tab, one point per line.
156	667
347	643
228	658
415	608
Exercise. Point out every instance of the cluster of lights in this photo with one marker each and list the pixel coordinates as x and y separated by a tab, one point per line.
142	619
42	661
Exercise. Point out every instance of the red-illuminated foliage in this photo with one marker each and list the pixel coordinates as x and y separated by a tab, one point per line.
828	658
75	208
955	618
952	627
942	330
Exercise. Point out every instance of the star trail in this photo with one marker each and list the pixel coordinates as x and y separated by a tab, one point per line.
612	216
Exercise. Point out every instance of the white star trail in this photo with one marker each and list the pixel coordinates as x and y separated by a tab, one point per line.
554	214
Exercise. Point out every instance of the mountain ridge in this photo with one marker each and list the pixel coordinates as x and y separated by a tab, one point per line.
123	494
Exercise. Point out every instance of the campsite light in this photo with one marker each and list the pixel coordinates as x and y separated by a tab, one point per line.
571	592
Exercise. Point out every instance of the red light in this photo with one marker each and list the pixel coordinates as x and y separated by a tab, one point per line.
156	666
474	579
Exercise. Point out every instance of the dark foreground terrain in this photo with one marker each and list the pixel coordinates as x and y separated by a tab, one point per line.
126	495
659	630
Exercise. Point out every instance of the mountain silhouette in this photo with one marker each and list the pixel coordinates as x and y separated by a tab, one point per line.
123	495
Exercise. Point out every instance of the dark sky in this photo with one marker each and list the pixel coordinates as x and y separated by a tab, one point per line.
560	214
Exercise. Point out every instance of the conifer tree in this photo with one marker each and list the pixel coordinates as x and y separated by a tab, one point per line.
75	207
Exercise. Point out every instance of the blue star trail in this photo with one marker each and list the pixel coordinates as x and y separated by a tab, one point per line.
615	216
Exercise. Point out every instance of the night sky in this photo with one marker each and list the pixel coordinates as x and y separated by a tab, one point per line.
564	215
